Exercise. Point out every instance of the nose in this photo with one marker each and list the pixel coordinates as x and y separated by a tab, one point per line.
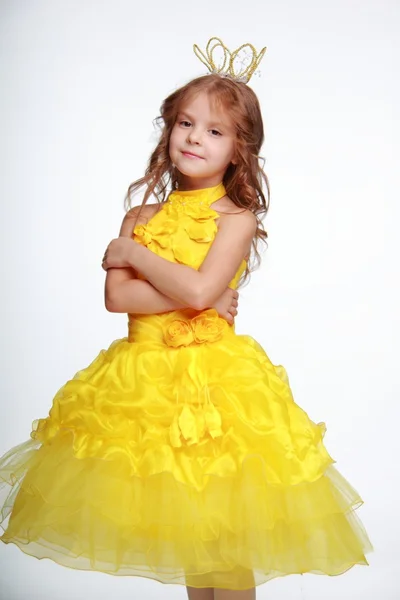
194	135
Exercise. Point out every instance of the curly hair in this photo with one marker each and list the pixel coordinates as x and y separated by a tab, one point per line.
243	181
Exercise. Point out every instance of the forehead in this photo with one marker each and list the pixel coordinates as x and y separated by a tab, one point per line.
206	106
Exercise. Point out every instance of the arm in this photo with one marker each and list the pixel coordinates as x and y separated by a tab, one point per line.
201	288
123	293
140	297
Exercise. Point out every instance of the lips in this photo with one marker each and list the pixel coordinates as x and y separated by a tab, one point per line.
191	154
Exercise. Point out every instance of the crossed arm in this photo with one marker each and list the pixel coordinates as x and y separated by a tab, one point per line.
124	293
171	285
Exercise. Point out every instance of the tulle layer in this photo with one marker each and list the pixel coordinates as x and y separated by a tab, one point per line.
192	466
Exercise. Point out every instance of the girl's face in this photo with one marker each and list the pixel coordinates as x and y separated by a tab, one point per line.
202	143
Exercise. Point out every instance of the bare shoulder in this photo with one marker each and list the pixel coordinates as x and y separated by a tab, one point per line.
229	213
236	221
138	215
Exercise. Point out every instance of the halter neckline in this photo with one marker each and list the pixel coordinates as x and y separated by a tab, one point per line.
205	196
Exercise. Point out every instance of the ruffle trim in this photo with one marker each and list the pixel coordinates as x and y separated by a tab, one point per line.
237	533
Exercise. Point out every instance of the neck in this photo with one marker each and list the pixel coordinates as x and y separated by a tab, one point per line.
186	185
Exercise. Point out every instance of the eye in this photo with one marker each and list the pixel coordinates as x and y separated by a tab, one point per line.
185	123
215	132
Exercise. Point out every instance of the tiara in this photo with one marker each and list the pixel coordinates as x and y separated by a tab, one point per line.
227	67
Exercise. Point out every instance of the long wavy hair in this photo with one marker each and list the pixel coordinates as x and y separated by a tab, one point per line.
244	181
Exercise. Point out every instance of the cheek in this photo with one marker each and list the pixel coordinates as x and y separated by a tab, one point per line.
174	140
229	153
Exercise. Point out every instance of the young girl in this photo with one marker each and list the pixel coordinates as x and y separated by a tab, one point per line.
179	453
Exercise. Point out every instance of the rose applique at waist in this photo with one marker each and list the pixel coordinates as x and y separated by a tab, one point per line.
185	327
207	326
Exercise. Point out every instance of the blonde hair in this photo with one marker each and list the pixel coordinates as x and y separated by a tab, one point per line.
244	180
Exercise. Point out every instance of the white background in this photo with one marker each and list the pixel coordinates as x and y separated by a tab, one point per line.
81	82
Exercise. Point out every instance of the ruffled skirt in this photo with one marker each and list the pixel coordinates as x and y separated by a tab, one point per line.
189	465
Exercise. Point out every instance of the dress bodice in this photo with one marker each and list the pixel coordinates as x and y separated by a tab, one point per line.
182	231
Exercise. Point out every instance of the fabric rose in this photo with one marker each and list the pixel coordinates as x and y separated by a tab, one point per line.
201	212
186	230
142	236
201	231
178	333
208	326
161	231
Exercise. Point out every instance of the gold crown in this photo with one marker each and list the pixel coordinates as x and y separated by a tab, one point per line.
227	68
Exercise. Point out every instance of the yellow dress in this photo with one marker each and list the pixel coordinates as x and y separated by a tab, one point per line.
179	453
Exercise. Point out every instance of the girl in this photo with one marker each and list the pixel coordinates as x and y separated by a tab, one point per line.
179	453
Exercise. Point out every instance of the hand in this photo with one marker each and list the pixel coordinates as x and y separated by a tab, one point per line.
226	305
118	253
